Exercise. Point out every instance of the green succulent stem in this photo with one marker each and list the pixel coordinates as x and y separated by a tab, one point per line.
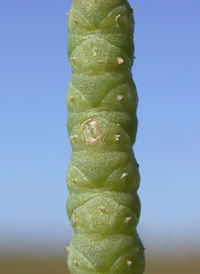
103	176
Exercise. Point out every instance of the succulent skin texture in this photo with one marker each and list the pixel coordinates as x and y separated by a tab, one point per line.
103	176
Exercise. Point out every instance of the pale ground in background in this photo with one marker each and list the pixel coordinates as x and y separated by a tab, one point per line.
163	264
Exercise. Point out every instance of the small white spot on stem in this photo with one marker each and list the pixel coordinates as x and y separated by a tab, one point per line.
66	248
117	137
117	17
71	98
67	13
123	176
119	97
134	9
128	219
73	137
75	221
95	50
100	61
129	263
120	60
73	59
74	181
102	208
76	263
75	20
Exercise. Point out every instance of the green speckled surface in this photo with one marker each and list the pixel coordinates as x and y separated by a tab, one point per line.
103	176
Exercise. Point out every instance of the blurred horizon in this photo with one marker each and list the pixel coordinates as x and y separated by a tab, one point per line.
49	243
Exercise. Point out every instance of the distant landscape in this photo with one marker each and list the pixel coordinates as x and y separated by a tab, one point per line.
43	253
180	264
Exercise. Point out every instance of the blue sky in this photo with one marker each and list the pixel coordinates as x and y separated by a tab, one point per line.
34	144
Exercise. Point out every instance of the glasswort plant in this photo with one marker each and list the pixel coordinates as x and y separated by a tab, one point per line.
103	176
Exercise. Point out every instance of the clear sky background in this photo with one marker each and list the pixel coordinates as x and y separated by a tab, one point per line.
34	144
